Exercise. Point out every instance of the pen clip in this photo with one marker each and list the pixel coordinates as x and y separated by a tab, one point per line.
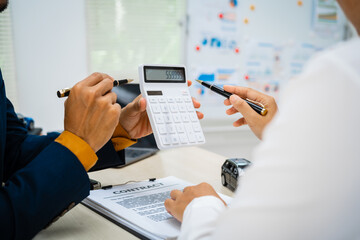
257	103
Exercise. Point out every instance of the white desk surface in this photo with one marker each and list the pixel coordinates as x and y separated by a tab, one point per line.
192	164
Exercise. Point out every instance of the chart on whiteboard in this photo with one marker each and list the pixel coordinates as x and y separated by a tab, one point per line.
262	46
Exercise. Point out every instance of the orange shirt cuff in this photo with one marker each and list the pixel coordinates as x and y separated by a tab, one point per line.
79	148
121	138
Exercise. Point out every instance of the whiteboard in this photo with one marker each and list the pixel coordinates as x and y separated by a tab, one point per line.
255	43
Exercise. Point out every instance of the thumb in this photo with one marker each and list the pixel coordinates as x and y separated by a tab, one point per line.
141	104
241	106
137	104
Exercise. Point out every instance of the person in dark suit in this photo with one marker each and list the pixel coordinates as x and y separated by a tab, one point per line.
42	177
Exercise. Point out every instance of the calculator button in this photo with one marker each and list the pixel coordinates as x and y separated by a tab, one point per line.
184	93
187	99
177	117
162	129
153	100
164	108
180	128
165	140
174	108
189	107
182	108
199	137
155	108
185	117
196	127
193	117
159	119
168	118
192	137
183	138
170	128
188	128
174	139
176	120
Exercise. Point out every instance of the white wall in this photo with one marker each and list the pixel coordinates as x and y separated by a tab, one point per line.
50	54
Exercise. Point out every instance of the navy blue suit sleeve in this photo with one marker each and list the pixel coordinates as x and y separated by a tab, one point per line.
20	148
39	192
42	177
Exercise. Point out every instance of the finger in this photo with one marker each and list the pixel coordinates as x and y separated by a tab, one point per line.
227	102
245	92
189	82
231	111
200	115
110	98
95	78
116	110
139	104
169	205
136	103
195	103
242	106
239	122
103	87
66	101
187	189
142	104
175	194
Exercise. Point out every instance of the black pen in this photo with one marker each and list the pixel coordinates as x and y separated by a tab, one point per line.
111	186
66	91
259	109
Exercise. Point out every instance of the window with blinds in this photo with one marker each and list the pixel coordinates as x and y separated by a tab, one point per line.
125	33
7	63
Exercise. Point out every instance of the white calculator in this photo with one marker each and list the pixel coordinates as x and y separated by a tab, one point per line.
169	106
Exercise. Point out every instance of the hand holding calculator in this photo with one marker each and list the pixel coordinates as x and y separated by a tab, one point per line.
169	106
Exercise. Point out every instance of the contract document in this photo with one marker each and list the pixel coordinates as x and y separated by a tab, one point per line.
139	207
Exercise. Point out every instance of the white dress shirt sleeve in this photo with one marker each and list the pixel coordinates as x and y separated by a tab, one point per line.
304	182
200	218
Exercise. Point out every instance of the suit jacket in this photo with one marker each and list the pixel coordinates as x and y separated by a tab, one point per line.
41	178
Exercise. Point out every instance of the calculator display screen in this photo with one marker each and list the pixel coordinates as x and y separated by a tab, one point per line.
164	74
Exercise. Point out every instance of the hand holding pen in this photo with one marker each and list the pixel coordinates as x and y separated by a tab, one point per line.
258	107
66	91
91	111
250	103
255	121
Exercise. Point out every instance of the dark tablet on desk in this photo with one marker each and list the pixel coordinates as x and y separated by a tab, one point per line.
145	146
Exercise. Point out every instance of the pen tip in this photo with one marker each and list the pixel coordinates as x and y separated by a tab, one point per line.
199	81
130	80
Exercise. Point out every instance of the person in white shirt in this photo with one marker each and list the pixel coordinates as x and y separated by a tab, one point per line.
305	179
